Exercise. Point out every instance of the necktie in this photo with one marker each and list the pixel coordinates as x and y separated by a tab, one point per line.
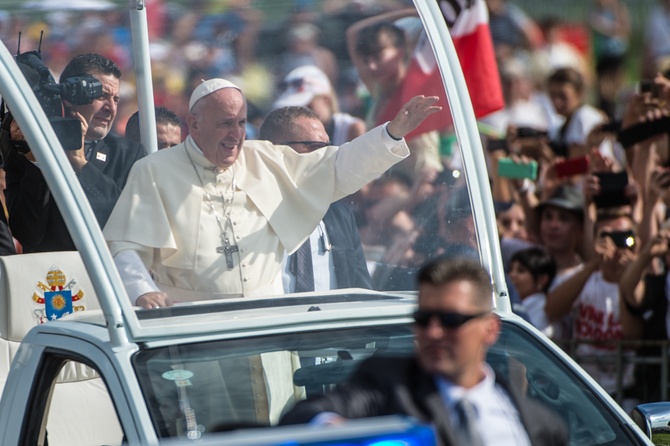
88	149
304	271
468	432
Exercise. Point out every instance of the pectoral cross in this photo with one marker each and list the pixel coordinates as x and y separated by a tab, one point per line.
228	250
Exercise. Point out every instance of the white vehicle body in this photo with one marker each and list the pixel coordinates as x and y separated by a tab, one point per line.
114	340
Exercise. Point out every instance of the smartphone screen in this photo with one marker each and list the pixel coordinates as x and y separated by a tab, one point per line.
611	127
572	167
649	86
508	168
612	189
497	144
621	239
645	86
529	132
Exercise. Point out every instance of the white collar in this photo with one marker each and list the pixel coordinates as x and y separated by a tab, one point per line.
452	393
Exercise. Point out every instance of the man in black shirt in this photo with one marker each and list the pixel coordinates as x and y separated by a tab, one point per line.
101	165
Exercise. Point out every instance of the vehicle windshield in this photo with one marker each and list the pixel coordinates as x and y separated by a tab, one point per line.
243	383
353	67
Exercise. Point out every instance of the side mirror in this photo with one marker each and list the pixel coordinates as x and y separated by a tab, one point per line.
654	420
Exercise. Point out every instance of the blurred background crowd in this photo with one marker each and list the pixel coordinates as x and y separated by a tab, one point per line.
578	157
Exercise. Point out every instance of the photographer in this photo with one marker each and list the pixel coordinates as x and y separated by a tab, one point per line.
644	135
591	295
643	285
101	164
644	309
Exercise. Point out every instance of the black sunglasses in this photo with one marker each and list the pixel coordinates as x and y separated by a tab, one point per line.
447	319
313	145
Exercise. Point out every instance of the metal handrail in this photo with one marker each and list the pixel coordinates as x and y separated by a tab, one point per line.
620	359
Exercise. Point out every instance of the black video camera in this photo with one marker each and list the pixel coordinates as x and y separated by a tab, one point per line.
50	94
75	90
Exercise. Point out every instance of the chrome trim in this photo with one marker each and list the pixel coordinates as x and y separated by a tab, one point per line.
470	143
145	91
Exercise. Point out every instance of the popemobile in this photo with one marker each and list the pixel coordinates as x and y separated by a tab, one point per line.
81	365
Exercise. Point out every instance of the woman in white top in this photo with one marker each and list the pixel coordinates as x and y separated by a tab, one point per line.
567	90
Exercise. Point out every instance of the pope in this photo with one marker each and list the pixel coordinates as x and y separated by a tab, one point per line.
211	217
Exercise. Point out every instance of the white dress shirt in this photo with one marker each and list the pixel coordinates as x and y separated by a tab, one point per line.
322	263
498	420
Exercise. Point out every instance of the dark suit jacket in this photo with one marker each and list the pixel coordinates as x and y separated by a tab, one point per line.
391	386
6	239
349	263
34	218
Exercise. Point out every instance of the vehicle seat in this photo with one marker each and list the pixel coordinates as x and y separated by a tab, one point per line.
36	288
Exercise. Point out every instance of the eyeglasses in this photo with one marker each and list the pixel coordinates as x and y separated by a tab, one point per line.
447	319
313	145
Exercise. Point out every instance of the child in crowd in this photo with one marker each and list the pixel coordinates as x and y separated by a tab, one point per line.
531	271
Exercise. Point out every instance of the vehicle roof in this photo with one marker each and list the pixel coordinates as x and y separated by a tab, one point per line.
231	318
234	317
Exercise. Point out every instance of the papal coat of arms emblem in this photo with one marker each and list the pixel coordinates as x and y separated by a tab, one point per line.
58	296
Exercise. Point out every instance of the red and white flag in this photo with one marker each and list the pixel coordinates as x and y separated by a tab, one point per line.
468	24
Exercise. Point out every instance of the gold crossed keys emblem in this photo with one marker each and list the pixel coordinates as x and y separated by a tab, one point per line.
58	296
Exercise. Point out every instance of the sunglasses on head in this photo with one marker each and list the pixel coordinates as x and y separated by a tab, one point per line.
447	319
294	83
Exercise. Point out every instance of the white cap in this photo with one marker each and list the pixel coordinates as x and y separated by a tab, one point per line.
301	85
208	87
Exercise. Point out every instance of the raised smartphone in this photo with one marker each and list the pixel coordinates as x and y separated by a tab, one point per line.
572	167
529	132
621	239
508	168
612	189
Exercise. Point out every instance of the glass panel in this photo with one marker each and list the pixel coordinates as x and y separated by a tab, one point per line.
81	411
417	209
528	363
251	382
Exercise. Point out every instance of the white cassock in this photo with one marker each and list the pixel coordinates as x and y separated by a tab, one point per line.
277	198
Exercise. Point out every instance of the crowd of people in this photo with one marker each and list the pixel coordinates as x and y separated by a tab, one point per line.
582	232
584	239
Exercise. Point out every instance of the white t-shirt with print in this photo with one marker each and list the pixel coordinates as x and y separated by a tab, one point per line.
597	318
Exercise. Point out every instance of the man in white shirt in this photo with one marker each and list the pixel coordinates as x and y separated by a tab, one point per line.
212	217
591	295
447	382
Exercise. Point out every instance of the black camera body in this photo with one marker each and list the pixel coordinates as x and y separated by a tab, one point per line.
621	239
77	90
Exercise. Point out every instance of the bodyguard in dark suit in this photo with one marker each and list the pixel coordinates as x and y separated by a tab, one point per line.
351	270
101	165
333	257
6	240
447	382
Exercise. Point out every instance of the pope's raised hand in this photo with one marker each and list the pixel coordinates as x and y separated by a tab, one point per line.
412	114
